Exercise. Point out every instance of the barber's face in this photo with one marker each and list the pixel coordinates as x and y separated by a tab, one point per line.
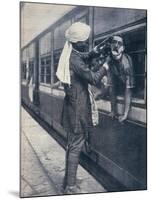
82	46
117	48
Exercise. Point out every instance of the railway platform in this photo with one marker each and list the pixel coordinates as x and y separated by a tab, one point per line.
43	163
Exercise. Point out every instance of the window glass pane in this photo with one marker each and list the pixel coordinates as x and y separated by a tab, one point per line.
45	69
42	62
106	19
48	61
47	78
139	70
135	46
42	70
135	40
42	78
56	60
48	70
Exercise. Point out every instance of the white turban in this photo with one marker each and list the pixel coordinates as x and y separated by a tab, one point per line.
78	32
75	33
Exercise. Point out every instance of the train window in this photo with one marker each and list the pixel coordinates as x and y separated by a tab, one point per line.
24	70
45	70
45	44
59	35
135	46
107	19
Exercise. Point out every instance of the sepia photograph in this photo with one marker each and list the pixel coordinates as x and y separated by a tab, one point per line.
83	81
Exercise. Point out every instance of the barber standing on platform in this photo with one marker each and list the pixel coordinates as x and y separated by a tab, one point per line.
78	106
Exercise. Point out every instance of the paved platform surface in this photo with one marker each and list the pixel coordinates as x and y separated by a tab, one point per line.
43	163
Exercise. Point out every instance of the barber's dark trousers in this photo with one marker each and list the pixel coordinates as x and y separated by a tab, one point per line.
74	146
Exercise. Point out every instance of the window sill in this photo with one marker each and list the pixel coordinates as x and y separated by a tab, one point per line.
135	102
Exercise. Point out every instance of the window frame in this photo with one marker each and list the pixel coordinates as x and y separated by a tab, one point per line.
138	102
45	57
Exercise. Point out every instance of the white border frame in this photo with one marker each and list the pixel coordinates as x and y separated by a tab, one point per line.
10	100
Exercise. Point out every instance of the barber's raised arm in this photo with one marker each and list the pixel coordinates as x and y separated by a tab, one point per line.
90	55
79	67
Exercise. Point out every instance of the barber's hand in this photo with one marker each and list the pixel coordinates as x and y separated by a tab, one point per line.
96	49
122	118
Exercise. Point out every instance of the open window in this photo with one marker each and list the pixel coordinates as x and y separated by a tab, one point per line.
135	46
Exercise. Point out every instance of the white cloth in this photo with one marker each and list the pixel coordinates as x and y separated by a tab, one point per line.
76	32
94	108
63	72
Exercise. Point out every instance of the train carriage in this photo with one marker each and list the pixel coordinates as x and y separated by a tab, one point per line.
119	149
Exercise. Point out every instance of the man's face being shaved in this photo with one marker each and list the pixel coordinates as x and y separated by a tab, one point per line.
117	47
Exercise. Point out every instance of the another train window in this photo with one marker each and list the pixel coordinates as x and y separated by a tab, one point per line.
135	45
107	19
59	34
45	69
